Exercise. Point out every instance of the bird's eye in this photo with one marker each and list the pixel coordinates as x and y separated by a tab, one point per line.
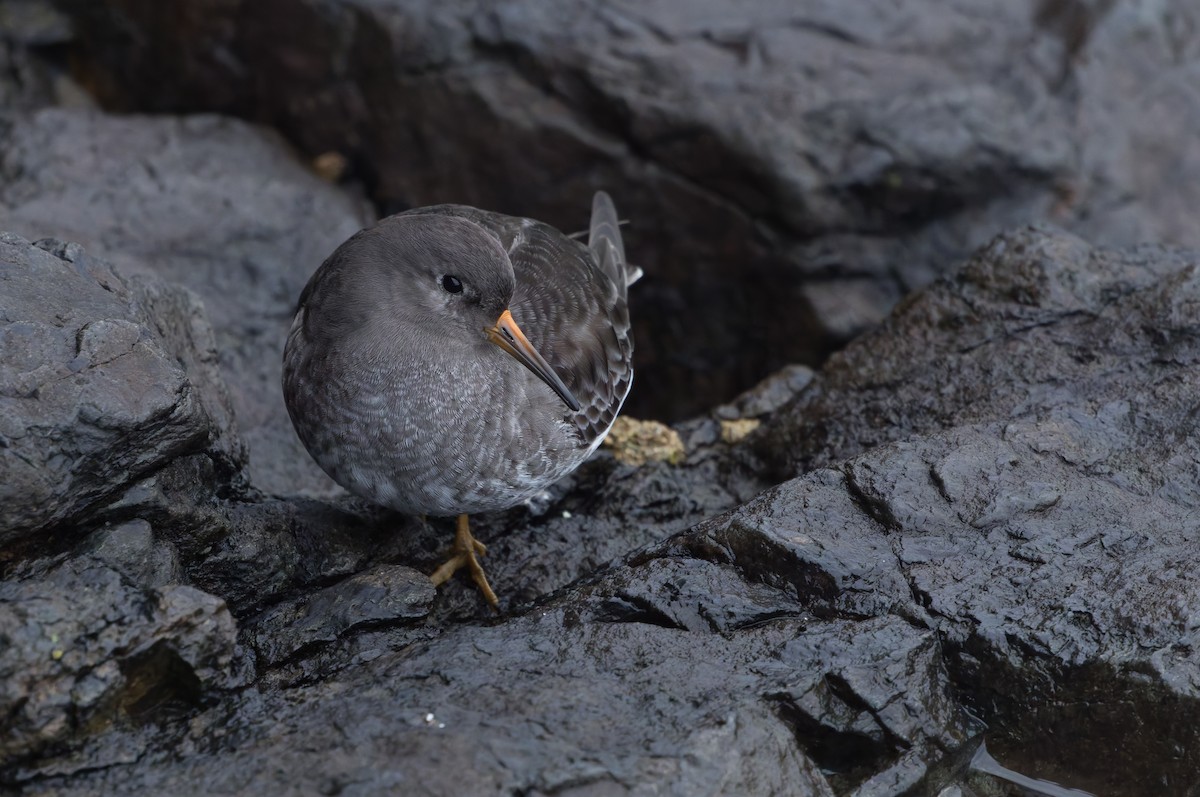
452	284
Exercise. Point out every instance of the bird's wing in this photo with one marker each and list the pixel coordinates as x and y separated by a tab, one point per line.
570	302
604	239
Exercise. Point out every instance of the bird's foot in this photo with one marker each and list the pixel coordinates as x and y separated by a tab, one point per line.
466	553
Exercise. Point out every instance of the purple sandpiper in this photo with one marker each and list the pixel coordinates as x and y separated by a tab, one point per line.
449	361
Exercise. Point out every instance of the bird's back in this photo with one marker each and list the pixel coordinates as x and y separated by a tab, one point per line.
571	302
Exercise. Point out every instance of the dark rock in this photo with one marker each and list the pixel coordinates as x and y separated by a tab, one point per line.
375	597
213	204
1036	324
768	395
791	169
279	547
183	503
131	550
991	525
33	35
989	522
34	23
274	549
87	654
577	699
92	395
1029	472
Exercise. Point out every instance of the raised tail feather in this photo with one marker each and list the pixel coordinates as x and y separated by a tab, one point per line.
604	239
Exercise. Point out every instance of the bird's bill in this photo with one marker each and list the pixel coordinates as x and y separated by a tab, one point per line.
508	336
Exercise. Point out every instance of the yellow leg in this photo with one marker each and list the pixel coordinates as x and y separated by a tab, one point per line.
465	553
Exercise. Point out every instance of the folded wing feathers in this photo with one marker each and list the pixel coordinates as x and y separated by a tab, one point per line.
614	371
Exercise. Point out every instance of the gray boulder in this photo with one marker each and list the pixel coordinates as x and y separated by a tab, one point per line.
974	522
103	383
1023	473
113	414
87	654
213	204
791	168
33	38
995	545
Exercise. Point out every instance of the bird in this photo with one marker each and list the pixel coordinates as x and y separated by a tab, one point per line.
450	361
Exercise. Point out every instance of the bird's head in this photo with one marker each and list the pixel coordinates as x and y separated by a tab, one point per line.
448	275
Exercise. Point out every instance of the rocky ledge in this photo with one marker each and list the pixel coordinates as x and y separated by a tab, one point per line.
976	523
988	536
793	168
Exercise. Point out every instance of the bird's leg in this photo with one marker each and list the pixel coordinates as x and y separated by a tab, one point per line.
466	553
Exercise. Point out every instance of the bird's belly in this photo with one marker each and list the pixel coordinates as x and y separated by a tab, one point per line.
448	485
428	452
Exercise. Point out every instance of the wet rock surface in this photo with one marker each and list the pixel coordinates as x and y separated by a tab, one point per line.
83	646
793	169
1013	562
102	382
1029	459
975	522
210	203
33	71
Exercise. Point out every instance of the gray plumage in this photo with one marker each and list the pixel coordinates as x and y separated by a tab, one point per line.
396	389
